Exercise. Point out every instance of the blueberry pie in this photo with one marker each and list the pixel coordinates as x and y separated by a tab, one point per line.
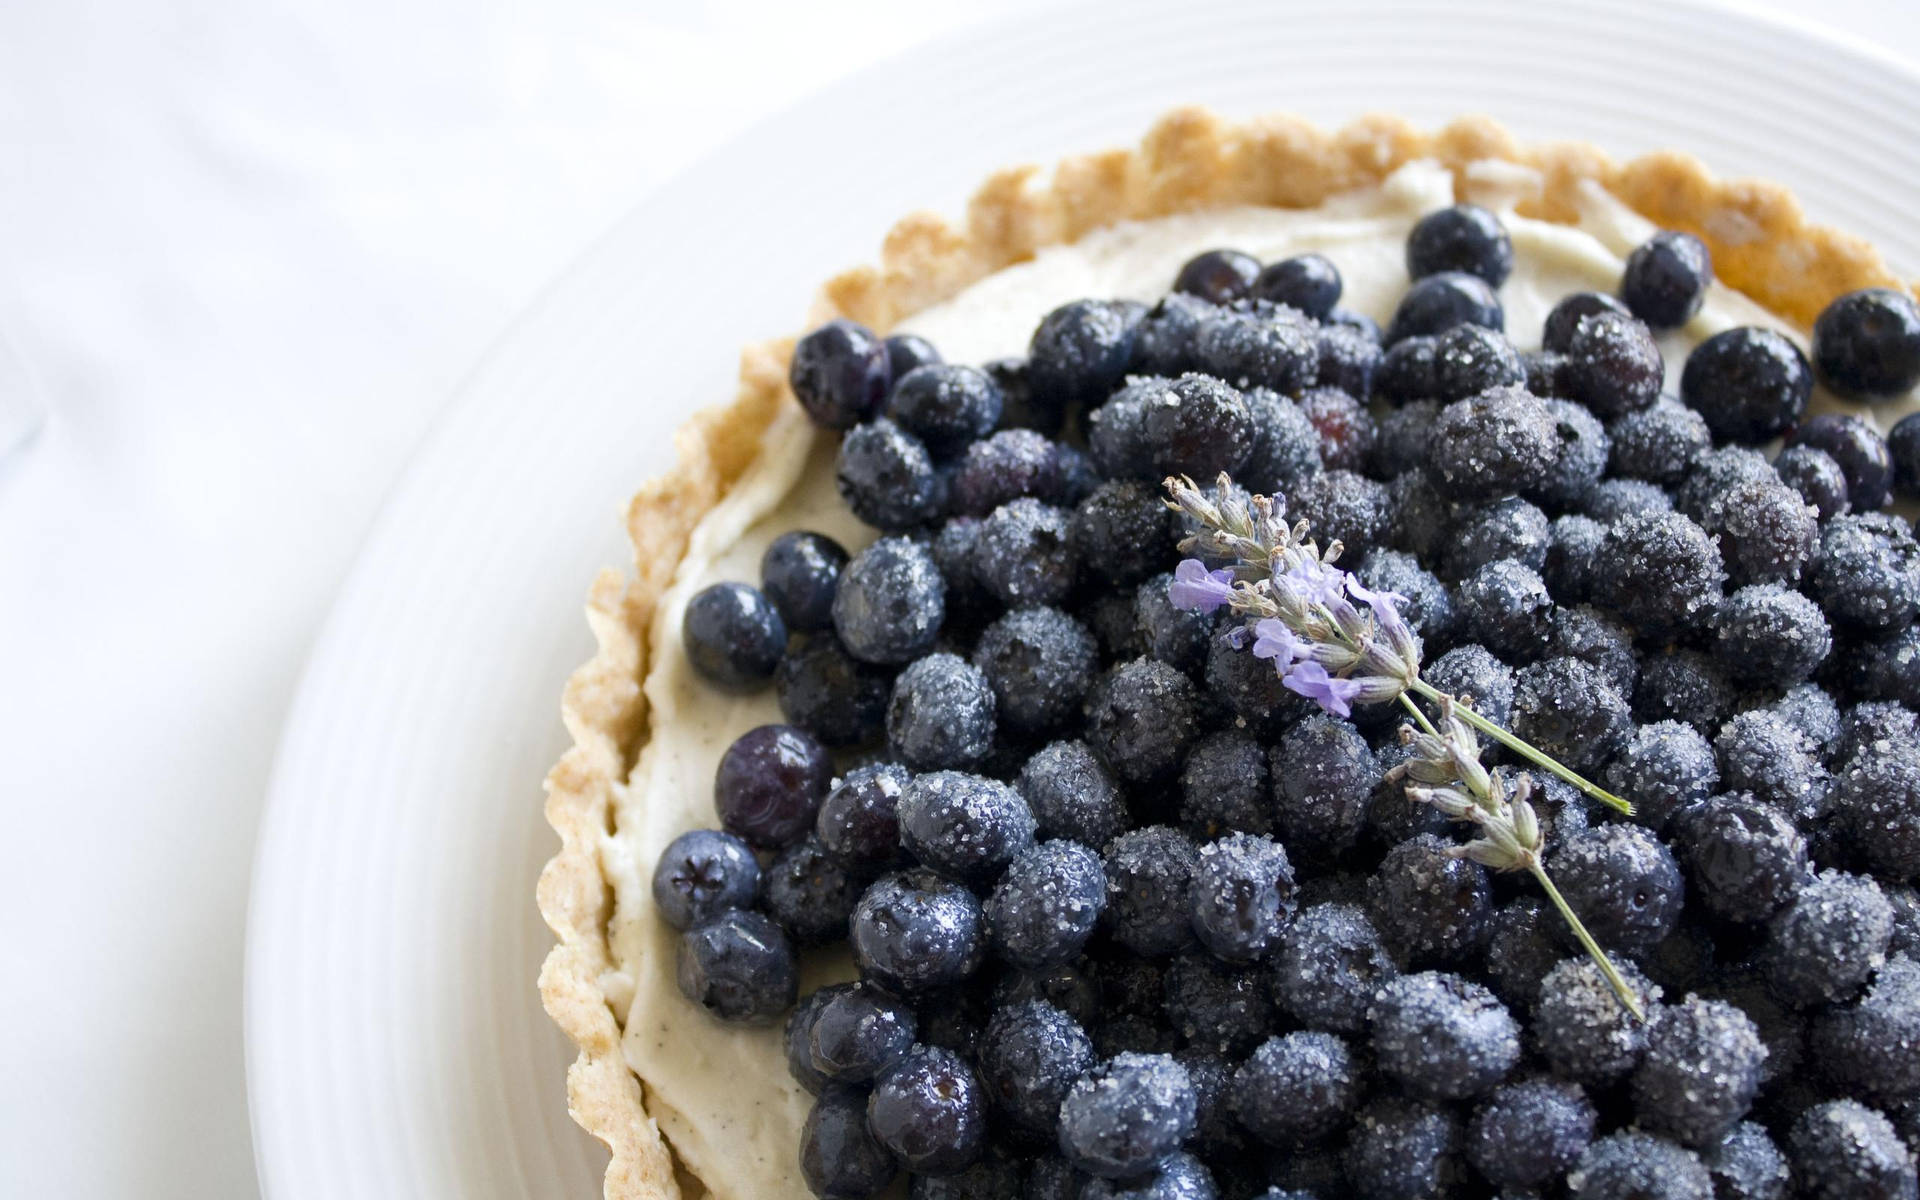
1144	698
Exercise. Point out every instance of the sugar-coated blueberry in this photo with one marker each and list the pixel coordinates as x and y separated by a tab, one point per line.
810	893
1030	1055
857	1033
1567	313
946	406
1045	907
1442	1037
1127	1115
913	931
890	602
858	822
967	827
1080	351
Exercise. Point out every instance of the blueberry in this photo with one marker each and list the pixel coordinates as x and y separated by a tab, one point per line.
1469	359
1877	801
858	822
929	1111
799	573
1039	663
1025	554
1568	572
1525	1135
858	1033
1666	279
1472	671
810	893
701	874
1857	446
1746	1165
1583	1030
966	827
1663	767
770	783
1422	518
1494	444
1217	1135
890	602
1767	533
734	636
1505	528
1658	571
1630	1165
1404	1150
1570	709
797	1039
905	351
840	374
1030	1055
1581	459
1406	371
1567	313
1045	907
1867	344
1218	276
1843	1150
1072	795
1286	444
1751	384
1546	372
1051	1177
913	931
966	601
1241	896
1810	711
1308	282
1427	904
941	715
1867	573
1684	685
1716	472
1328	968
1344	506
1701	1070
1115	436
739	966
1180	1177
1297	1088
1141	717
1767	635
1217	1007
1165	343
831	694
1441	1037
1127	1115
1123	532
1165	631
1825	945
1506	607
1198	427
1010	464
1463	237
1400	437
1427	604
886	476
946	406
1855	1044
1345	428
1817	477
1588	634
1903	449
1149	873
1080	351
1251	348
1614	366
1437	303
1657	443
995	1175
1323	774
839	1158
1623	882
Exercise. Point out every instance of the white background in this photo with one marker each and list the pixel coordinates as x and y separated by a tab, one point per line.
247	250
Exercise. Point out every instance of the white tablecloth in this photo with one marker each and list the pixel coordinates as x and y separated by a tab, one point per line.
247	250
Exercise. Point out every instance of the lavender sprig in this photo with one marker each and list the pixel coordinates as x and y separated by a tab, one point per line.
1338	643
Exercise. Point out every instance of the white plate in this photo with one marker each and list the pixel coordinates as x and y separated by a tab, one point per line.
395	1043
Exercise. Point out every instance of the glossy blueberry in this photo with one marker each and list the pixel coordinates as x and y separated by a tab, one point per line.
797	1039
1750	383
1613	366
946	406
1308	282
1462	237
1770	636
860	1032
1816	477
831	694
810	893
1030	1055
799	573
1746	859
1045	907
739	967
930	1111
839	1158
887	478
941	714
1505	528
858	822
890	602
913	931
1241	896
1664	766
1570	709
770	783
905	351
1866	344
1072	794
1323	774
1125	1116
1857	446
1149	873
1437	303
1406	371
1567	313
1010	464
966	827
1253	348
701	874
1666	279
1197	426
734	636
1218	276
1903	447
1080	351
840	374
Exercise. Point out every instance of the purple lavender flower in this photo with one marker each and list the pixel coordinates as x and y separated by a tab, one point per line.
1194	587
1330	692
1314	581
1272	639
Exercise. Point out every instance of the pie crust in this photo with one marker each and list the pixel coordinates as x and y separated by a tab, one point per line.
1190	159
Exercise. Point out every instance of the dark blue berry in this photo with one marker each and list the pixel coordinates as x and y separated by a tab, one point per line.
1081	350
1546	373
1441	1037
1045	907
1684	685
1859	449
797	1039
1196	426
1581	459
1180	1177
1505	606
1524	946
1039	663
1593	637
1428	905
1436	303
1877	802
1406	370
1328	968
913	931
1505	528
831	694
1816	476
1010	464
965	826
1859	1045
1630	1165
1427	603
770	783
1404	1150
890	602
1611	499
1165	631
739	966
1165	343
858	1033
1462	237
1298	1088
839	1158
941	714
1867	344
946	406
1149	872
1767	635
1571	710
1469	359
1345	428
1567	313
799	573
1613	365
1141	717
734	636
1526	1134
1123	532
1072	795
1051	1177
1867	573
701	874
1658	571
1241	896
1582	1029
1025	554
810	893
1843	1150
1218	276
1277	349
1746	1165
1217	1007
887	478
1030	1055
1663	767
1750	383
1308	282
1123	1118
1323	775
1746	858
1766	532
929	1111
1761	754
1623	882
1700	1072
857	822
1491	445
1344	506
1422	517
1472	672
1223	787
1657	443
996	1175
1401	435
905	351
1666	279
840	374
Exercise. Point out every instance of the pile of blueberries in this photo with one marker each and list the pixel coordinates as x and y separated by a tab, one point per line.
1133	920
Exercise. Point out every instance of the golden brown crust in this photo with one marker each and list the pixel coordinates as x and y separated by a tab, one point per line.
1762	245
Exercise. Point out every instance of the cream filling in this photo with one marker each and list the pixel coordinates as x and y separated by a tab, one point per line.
722	1094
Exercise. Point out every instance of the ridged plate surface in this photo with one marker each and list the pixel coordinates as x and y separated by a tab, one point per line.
395	1043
